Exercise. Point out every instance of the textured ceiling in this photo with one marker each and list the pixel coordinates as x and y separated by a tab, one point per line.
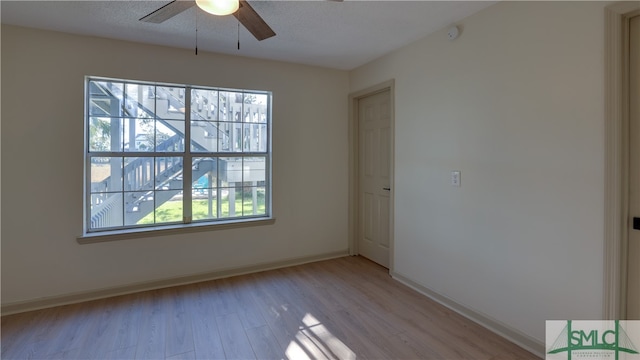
340	35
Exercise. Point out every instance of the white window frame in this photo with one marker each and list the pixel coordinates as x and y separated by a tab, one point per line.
187	155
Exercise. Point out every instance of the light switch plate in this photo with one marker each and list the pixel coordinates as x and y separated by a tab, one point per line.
455	178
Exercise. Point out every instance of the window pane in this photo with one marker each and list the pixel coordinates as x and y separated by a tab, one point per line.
231	202
224	111
204	173
139	101
230	171
170	103
204	205
158	207
230	180
139	135
204	136
237	137
203	189
230	105
204	104
106	210
256	107
236	102
255	137
105	98
254	170
170	136
138	173
168	206
138	205
226	136
105	134
253	201
246	138
168	172
106	174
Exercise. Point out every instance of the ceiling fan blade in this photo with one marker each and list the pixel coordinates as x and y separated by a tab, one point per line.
168	11
253	22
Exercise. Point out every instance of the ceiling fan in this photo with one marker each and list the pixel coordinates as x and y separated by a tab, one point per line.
241	9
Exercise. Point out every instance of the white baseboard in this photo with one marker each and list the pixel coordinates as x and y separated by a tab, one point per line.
47	302
526	342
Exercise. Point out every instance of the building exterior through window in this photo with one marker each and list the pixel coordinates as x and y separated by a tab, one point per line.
167	154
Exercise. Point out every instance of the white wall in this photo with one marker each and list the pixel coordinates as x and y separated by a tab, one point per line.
42	147
516	104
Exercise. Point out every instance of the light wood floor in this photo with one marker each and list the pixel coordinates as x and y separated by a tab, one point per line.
345	308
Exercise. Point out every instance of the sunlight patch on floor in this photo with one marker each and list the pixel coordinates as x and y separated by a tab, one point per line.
315	341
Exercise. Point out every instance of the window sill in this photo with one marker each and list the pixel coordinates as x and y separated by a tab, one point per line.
146	232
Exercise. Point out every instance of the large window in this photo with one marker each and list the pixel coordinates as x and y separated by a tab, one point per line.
166	154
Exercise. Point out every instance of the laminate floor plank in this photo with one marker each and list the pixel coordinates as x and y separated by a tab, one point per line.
222	298
39	344
246	307
191	355
308	298
390	307
71	354
345	308
388	304
234	339
15	329
103	330
300	332
76	321
329	338
152	333
127	321
428	347
314	292
276	314
264	343
121	354
206	338
361	342
287	319
179	339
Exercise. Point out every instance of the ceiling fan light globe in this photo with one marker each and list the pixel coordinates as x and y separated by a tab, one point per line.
219	7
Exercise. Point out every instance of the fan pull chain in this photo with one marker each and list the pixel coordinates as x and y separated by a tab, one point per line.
196	31
238	34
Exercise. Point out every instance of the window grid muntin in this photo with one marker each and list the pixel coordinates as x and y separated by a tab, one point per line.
185	153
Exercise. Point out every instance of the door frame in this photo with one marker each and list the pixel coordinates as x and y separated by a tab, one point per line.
354	166
616	214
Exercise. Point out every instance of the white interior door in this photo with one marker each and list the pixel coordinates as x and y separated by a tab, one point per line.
633	261
374	124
